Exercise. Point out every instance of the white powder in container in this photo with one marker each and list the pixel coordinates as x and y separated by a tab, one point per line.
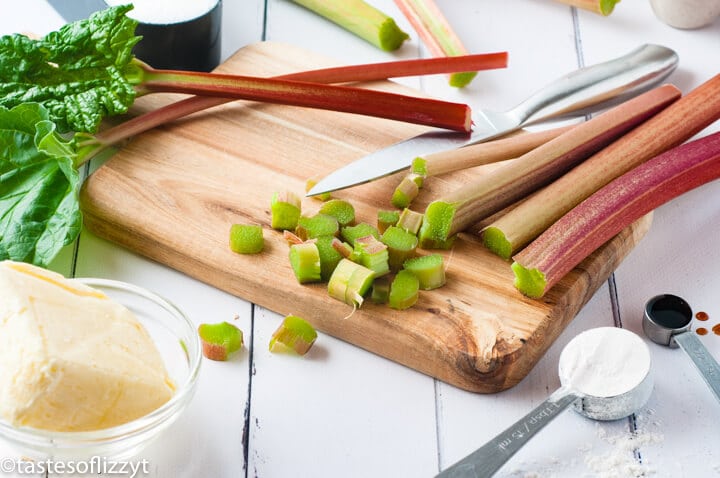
604	362
164	12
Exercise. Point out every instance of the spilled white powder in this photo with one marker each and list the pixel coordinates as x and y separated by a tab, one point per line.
163	12
621	461
604	362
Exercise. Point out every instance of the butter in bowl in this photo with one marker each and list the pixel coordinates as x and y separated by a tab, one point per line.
89	367
177	34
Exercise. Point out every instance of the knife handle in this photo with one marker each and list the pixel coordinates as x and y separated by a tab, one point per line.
599	86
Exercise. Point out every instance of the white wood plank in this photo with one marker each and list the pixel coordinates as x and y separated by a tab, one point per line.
338	411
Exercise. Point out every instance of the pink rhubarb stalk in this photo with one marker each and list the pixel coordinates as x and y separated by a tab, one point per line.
612	208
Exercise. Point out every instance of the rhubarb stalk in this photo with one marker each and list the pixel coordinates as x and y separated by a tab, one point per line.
468	157
612	208
511	182
409	109
671	127
93	145
360	18
436	33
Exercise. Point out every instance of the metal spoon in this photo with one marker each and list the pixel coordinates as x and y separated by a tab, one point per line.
488	459
666	321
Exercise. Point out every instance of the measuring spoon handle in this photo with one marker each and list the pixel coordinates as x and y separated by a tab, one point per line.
487	460
704	362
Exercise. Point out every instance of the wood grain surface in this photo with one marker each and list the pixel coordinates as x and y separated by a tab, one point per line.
171	195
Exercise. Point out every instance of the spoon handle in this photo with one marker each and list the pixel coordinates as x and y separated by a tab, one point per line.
488	459
705	363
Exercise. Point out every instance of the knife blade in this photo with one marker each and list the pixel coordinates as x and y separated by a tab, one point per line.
580	92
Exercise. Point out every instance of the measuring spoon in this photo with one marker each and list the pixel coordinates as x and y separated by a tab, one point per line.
599	385
666	321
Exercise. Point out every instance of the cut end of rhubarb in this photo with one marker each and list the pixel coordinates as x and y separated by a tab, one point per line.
435	230
607	6
294	335
460	80
495	240
246	238
220	340
530	282
405	192
419	167
390	36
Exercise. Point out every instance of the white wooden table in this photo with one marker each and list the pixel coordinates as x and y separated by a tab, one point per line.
342	411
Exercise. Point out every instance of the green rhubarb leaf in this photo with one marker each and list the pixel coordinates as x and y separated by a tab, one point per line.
80	73
39	186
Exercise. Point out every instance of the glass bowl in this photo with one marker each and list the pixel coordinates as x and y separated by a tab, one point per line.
178	343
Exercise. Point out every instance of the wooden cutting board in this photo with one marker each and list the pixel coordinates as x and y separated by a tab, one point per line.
172	194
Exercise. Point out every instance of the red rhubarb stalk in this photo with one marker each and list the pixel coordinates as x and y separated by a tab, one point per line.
410	109
343	74
612	208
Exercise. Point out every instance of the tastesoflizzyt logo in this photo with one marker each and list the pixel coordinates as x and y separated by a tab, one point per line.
96	465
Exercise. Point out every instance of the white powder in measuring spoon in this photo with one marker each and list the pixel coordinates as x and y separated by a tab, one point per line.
163	12
604	362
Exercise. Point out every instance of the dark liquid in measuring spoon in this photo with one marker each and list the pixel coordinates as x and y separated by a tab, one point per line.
670	318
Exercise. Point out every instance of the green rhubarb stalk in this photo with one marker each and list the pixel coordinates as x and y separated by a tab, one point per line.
341	210
350	282
430	270
305	262
407	190
86	71
474	155
436	33
507	184
360	18
373	254
410	220
284	210
310	227
351	233
294	334
246	238
404	290
220	340
401	246
386	219
672	126
602	7
329	256
483	153
612	208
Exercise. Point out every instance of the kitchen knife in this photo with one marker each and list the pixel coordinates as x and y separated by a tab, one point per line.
580	92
